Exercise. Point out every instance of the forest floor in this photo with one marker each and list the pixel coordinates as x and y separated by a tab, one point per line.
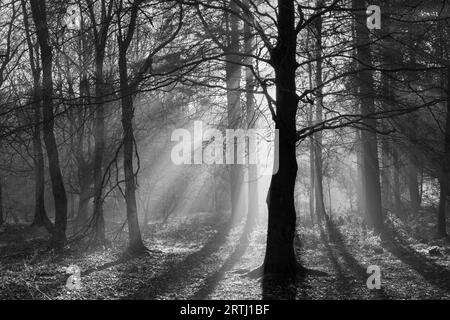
206	259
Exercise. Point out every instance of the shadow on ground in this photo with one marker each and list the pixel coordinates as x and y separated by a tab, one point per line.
433	273
179	274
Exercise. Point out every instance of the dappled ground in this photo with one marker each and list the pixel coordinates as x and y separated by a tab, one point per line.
209	259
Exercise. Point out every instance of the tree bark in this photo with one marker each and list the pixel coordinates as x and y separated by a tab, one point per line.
386	174
318	162
365	81
40	214
442	210
83	201
280	255
360	192
2	220
412	179
59	193
396	185
100	36
233	83
136	245
253	194
99	138
444	183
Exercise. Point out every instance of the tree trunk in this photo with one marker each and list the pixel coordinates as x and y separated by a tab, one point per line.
136	245
311	178
1	204
412	172
396	185
386	174
40	214
442	210
83	205
59	193
99	137
365	82
386	145
412	179
360	192
442	223
311	138
233	82
253	194
101	37
318	163
280	256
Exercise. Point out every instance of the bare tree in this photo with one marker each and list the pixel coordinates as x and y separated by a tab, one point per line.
39	14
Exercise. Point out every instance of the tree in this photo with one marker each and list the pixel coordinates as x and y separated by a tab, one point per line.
280	256
1	206
253	195
39	14
128	88
234	110
40	214
318	170
100	31
365	83
136	246
444	179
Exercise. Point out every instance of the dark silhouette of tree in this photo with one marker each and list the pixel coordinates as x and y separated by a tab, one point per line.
365	82
100	28
39	14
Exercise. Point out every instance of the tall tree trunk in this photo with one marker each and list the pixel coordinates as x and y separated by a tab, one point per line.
312	178
412	166
59	193
233	82
101	37
412	179
360	192
365	81
386	173
396	185
280	254
99	137
136	245
386	148
444	180
253	194
83	201
318	162
442	210
311	138
386	98
2	220
40	214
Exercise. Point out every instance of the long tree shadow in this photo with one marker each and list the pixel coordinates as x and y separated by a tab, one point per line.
177	274
212	281
430	271
343	282
337	239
